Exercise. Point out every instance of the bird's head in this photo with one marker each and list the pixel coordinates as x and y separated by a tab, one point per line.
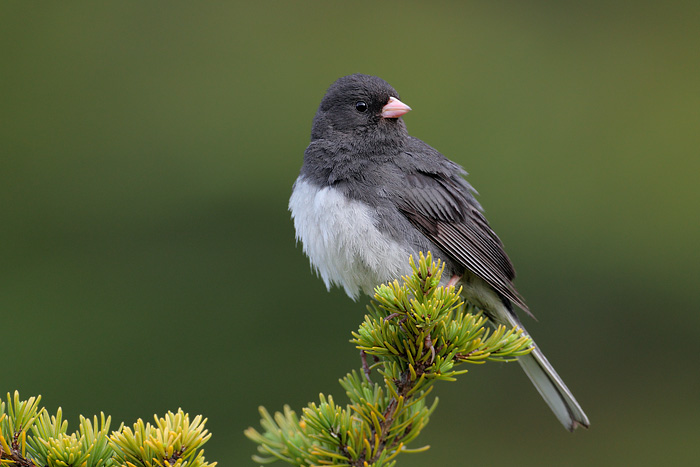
359	104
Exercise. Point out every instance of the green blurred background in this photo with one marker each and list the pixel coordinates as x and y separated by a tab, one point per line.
148	258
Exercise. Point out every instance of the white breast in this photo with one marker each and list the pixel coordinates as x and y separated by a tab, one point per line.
340	237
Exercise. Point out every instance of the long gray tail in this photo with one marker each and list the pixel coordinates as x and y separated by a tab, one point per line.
548	383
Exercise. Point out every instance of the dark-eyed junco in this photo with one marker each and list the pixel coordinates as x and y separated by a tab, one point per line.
369	195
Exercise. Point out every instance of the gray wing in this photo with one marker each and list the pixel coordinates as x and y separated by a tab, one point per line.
443	207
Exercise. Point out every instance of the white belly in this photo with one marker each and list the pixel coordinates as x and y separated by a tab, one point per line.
340	237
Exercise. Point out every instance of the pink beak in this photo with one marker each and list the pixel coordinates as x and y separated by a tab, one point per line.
394	108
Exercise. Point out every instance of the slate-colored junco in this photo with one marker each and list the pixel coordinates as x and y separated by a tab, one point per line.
369	195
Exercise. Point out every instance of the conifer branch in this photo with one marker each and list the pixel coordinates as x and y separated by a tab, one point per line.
418	332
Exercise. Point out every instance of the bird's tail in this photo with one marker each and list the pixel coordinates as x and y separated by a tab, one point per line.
549	384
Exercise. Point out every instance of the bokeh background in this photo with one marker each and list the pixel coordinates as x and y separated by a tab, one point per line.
148	262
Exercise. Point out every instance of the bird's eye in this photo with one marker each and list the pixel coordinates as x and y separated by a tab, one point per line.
361	106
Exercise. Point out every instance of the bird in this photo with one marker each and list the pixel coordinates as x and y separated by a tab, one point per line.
369	195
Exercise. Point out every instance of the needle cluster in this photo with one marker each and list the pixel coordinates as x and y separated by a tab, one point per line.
30	437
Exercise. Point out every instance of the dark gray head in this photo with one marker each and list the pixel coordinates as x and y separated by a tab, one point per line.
359	104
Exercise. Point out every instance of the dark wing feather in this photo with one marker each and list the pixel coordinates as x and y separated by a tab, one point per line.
443	207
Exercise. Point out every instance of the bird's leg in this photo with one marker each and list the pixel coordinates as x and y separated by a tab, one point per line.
429	344
453	280
365	366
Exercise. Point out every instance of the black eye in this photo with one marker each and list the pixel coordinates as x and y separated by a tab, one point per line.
361	106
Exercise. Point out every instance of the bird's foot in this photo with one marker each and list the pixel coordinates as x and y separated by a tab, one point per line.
391	316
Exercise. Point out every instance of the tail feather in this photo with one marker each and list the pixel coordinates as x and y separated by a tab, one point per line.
553	390
548	383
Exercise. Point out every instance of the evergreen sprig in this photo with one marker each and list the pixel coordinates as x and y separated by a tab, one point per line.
418	333
53	445
174	441
29	437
